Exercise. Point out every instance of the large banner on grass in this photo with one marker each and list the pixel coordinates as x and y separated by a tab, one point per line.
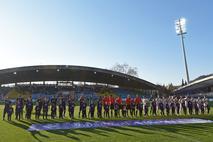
101	124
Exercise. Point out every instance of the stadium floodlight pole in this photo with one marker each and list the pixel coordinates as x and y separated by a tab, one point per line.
180	26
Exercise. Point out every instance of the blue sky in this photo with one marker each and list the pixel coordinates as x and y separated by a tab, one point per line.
100	33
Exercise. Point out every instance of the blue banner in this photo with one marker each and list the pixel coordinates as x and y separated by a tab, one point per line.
99	124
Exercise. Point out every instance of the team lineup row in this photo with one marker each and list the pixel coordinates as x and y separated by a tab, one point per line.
107	106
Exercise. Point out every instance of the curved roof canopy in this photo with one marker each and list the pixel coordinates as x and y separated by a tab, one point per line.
195	85
72	73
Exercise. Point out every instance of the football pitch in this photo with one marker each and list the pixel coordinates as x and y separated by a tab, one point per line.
17	131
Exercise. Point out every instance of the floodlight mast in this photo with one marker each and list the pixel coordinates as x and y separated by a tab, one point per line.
181	30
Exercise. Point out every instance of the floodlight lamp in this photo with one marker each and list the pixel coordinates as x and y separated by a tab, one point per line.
180	26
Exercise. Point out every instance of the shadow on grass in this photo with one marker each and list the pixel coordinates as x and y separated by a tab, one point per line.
25	125
188	130
34	133
20	125
71	134
135	130
68	133
96	132
106	132
114	130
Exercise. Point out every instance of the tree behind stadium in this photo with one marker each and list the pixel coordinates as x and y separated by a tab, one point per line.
126	69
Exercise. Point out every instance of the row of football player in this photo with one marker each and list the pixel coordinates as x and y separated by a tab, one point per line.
131	107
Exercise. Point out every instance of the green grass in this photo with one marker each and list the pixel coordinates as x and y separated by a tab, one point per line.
16	131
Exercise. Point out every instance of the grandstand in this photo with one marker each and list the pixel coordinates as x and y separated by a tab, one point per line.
202	86
50	80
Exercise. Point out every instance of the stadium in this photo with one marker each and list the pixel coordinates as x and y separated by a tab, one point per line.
46	82
106	71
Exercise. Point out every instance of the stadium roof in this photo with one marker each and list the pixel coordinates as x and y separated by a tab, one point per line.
197	84
72	73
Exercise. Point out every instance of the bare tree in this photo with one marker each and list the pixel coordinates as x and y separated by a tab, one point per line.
166	90
126	69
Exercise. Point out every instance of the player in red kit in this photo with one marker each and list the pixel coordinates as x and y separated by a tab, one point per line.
111	103
137	103
118	100
128	102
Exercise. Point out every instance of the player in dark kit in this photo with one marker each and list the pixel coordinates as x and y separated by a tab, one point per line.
208	108
202	108
21	102
84	110
183	104
154	107
124	110
99	109
40	103
61	109
132	108
53	107
178	106
45	108
190	106
173	107
53	110
6	107
146	109
18	109
140	109
64	105
167	108
161	107
80	104
106	110
9	112
91	110
71	106
37	111
116	109
29	108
